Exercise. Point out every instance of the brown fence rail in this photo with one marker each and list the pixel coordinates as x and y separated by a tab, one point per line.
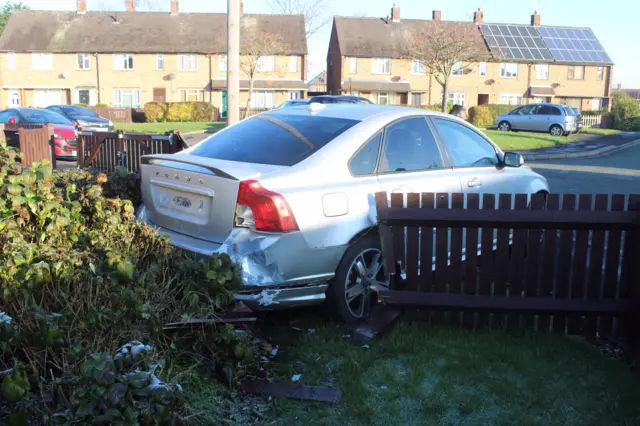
244	113
34	141
107	151
117	115
566	264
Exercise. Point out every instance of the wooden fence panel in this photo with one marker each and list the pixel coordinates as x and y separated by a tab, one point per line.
36	145
501	260
550	237
578	276
595	264
413	248
533	262
471	261
564	262
442	257
612	264
426	247
397	200
455	270
486	259
517	261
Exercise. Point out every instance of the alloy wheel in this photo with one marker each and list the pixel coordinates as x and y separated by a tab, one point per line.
368	264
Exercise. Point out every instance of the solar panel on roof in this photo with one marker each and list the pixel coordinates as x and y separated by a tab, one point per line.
515	42
573	45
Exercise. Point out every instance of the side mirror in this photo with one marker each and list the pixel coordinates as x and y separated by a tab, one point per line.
513	159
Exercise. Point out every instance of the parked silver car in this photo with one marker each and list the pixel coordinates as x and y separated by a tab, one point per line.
558	120
289	194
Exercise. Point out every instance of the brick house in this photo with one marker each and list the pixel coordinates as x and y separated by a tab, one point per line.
526	64
126	59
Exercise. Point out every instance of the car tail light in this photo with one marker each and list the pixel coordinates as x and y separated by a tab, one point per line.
262	209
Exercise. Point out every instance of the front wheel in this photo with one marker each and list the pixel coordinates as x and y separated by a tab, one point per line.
349	295
556	130
504	126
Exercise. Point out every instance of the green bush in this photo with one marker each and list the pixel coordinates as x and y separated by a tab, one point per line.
624	111
102	105
485	115
81	278
81	104
159	112
635	124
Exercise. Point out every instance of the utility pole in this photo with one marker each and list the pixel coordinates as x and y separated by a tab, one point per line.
233	61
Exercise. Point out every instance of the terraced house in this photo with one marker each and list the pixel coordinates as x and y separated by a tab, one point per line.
126	59
526	64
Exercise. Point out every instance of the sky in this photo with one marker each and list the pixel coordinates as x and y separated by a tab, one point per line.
615	22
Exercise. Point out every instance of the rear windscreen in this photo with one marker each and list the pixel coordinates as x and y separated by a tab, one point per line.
281	140
569	111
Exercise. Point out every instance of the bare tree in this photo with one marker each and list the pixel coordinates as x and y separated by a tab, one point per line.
313	12
255	48
442	48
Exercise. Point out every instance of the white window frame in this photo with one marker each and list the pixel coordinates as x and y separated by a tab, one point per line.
11	61
507	68
42	61
83	61
293	63
117	98
263	99
511	99
266	64
456	98
380	66
160	61
596	104
121	62
293	95
421	94
222	63
482	69
386	95
353	65
417	67
458	69
186	93
188	62
575	67
600	73
542	71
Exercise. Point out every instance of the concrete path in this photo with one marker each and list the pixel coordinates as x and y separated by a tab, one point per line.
590	146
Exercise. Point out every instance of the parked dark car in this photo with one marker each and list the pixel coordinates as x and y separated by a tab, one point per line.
340	99
579	120
64	130
293	102
84	118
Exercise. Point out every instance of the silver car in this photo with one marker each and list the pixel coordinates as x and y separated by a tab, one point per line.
558	120
289	194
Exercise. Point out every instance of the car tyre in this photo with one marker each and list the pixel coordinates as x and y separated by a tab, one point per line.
556	130
504	126
348	296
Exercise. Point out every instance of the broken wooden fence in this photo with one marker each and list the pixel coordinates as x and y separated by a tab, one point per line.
106	151
567	264
35	142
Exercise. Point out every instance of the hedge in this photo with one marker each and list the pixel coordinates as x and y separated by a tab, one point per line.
485	115
160	112
625	112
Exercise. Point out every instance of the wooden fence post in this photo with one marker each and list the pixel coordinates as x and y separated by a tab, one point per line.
52	144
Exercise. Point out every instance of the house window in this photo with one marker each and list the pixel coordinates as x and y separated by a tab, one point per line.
456	98
542	72
509	70
11	60
600	74
293	63
416	99
353	65
188	62
122	61
160	61
417	67
576	72
483	69
266	64
126	98
574	103
42	61
384	98
381	66
83	61
191	95
262	100
511	99
294	94
222	63
458	69
84	96
597	104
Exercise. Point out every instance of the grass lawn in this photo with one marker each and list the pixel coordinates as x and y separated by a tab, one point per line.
421	374
521	141
599	132
160	128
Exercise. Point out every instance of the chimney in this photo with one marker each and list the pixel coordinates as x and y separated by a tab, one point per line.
395	13
478	17
82	7
437	15
535	19
174	7
131	6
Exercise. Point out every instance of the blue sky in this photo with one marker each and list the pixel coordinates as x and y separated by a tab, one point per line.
615	22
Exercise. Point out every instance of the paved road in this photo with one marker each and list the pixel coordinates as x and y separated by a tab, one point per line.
614	173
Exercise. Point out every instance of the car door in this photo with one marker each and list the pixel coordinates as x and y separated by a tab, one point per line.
528	117
515	119
476	161
412	160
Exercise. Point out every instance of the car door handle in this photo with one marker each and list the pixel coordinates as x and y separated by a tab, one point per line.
474	182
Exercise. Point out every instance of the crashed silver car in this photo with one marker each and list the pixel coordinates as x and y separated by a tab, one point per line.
289	194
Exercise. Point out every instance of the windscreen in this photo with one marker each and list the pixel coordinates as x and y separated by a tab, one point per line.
281	140
78	110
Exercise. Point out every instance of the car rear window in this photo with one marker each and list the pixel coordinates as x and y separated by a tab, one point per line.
569	111
278	139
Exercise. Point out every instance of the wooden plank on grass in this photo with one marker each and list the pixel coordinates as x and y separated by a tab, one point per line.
293	391
381	319
208	322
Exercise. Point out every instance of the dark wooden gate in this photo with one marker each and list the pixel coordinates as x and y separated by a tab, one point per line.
35	142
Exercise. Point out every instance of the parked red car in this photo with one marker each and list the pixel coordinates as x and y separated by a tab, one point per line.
64	130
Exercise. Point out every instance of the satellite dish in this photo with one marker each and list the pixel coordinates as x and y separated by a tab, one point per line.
396	78
170	77
64	74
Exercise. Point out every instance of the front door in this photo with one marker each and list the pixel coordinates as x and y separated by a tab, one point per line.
83	97
15	100
159	94
483	99
223	110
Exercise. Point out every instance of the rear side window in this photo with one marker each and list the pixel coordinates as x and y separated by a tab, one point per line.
569	111
280	140
364	162
548	110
